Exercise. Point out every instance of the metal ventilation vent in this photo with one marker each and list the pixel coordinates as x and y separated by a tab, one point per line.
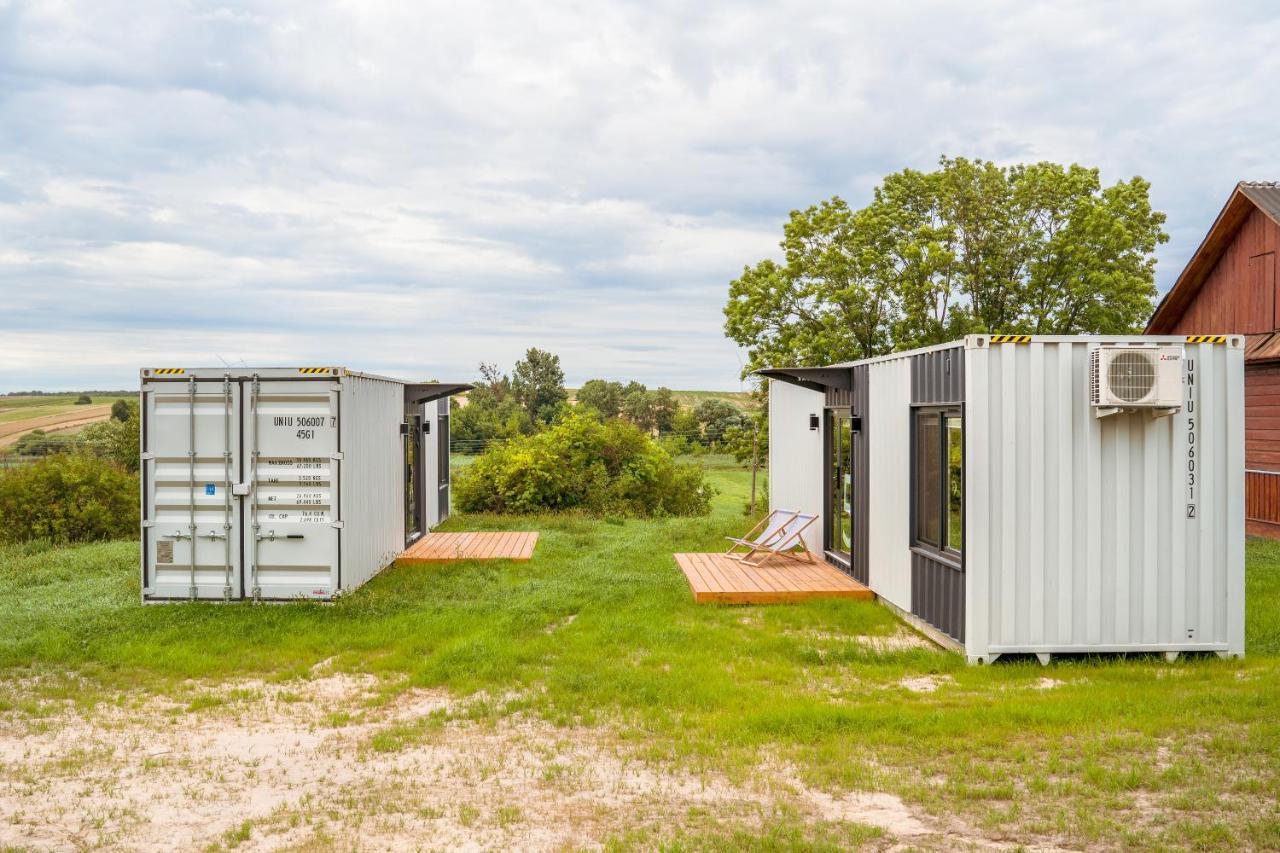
1132	375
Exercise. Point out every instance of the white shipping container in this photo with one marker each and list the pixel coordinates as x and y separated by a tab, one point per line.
1064	523
283	483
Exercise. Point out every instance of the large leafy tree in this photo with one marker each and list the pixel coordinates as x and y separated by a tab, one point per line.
969	247
537	382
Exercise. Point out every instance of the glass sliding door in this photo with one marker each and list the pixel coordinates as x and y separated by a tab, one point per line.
413	478
840	483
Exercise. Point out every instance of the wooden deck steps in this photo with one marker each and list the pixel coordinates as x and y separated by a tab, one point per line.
718	578
446	547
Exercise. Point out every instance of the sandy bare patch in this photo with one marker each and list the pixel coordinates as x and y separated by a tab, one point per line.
925	683
899	641
563	623
265	766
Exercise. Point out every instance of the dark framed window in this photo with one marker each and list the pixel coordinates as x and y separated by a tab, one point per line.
938	490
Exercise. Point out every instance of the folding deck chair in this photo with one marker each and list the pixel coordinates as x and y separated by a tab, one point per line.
778	533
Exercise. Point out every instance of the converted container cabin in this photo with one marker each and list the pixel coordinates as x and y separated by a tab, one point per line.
1020	494
283	483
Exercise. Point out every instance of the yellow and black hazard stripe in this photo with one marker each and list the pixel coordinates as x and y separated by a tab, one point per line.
312	371
1206	339
1010	339
169	371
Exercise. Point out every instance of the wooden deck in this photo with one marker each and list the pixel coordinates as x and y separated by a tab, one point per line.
716	577
445	547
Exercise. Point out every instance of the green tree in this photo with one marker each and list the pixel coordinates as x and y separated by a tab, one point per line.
716	417
120	410
491	413
602	395
663	407
83	400
116	440
537	382
969	247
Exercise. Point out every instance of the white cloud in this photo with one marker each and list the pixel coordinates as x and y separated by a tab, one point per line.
412	188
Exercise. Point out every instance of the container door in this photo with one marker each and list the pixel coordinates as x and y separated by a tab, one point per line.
291	539
191	459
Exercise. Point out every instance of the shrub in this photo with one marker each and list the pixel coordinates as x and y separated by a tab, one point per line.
41	443
579	463
83	400
122	410
68	497
116	439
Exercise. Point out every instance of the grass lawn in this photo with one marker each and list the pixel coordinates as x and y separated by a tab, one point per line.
598	633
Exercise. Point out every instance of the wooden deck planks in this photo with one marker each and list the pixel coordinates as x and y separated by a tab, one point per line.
718	578
472	545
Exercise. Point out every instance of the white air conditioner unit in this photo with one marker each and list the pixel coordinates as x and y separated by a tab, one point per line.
1135	378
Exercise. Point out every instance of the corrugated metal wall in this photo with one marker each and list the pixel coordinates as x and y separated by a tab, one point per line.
937	587
372	477
938	376
859	565
1077	529
937	594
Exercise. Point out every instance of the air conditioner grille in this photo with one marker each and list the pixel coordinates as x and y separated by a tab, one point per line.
1132	376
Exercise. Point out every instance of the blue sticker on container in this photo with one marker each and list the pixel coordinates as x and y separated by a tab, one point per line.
208	488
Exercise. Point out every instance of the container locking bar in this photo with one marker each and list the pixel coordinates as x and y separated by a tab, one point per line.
191	485
226	491
256	590
271	536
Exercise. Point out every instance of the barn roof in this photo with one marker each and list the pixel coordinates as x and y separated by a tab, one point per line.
1247	196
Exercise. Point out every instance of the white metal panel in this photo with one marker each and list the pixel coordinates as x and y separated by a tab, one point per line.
796	472
372	478
435	451
291	429
889	506
190	460
1122	533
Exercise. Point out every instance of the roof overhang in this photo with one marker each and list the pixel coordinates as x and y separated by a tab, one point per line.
813	378
1244	199
425	392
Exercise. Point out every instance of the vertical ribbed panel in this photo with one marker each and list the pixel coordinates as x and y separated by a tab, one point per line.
858	558
938	376
937	595
1078	536
372	474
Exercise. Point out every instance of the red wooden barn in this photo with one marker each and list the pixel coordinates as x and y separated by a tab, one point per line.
1229	287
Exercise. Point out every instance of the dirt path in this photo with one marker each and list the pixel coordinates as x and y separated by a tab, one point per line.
82	416
321	765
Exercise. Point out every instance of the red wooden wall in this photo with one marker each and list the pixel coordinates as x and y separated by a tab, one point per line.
1239	297
1239	294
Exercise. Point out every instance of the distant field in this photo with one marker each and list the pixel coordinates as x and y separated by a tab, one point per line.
51	413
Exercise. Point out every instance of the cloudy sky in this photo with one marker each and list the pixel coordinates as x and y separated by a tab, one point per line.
411	188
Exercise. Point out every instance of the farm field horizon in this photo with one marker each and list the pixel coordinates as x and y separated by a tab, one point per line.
582	699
